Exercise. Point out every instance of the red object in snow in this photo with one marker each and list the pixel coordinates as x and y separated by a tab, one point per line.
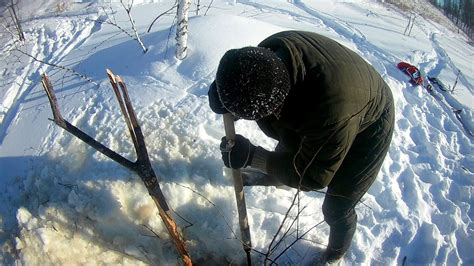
412	72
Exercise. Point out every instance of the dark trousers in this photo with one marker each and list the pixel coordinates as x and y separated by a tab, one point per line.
352	180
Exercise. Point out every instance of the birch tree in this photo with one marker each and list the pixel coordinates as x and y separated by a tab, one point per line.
182	29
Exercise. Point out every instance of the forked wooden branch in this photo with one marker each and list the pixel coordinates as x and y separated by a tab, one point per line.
141	166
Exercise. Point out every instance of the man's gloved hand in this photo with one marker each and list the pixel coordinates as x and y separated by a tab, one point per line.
237	154
214	101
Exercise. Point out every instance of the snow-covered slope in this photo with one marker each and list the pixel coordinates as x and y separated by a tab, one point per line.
63	203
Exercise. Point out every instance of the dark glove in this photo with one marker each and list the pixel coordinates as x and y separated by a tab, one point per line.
237	154
214	101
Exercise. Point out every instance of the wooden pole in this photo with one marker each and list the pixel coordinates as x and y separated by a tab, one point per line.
239	190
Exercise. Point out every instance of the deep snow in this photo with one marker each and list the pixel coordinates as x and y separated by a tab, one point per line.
64	203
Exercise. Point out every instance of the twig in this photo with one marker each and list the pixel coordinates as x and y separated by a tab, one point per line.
281	226
297	239
263	254
145	253
182	218
74	72
214	205
298	216
113	24
8	30
162	14
111	20
112	11
209	6
169	36
134	28
287	231
151	230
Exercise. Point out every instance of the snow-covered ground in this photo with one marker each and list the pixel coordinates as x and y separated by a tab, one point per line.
63	203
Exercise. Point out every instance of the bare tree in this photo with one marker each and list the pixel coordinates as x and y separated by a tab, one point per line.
182	29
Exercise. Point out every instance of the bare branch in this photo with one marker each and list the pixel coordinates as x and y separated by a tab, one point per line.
295	202
167	12
184	219
215	206
113	24
297	239
142	166
288	231
169	36
208	7
74	72
151	230
9	30
281	226
132	22
111	20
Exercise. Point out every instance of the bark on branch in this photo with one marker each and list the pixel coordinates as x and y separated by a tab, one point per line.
141	166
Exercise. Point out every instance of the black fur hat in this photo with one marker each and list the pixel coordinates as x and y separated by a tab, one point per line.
252	82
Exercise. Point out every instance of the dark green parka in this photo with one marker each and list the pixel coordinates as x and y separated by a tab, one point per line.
335	95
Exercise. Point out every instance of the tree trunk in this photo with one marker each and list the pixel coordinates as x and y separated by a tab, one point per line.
182	29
